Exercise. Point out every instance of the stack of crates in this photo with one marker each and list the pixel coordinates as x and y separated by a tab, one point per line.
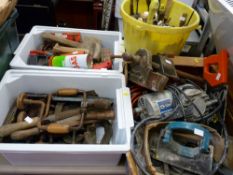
45	79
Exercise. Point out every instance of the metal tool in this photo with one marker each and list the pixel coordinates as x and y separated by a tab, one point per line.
164	65
6	130
39	57
91	44
141	71
198	159
155	104
194	103
95	102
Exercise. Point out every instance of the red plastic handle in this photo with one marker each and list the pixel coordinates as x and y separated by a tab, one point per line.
106	64
221	76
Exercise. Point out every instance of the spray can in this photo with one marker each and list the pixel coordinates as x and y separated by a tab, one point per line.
83	61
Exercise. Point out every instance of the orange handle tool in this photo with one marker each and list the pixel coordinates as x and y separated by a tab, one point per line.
221	75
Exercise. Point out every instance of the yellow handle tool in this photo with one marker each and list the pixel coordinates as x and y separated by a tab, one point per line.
153	8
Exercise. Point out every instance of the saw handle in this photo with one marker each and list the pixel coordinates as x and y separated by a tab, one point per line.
221	76
193	127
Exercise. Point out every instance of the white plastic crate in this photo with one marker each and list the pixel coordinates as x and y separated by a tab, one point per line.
33	40
111	86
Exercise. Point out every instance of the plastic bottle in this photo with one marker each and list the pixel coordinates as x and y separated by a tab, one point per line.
75	61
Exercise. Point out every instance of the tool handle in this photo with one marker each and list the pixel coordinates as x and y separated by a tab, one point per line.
21	116
61	40
193	127
153	8
94	45
61	49
106	64
221	75
10	128
67	92
56	128
24	134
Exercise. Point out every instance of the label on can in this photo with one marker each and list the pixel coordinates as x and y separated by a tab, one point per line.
165	105
76	61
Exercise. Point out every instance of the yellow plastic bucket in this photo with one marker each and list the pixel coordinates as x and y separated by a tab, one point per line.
158	39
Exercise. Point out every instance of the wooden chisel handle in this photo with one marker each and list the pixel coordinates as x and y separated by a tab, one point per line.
56	128
67	92
10	128
65	127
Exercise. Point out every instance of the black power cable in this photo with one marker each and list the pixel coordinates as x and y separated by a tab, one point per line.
132	141
175	91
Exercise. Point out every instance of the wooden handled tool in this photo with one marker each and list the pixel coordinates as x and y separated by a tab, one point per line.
61	40
62	126
93	45
57	128
10	128
61	49
23	134
54	128
68	92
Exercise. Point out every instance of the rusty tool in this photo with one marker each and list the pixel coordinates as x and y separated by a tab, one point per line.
141	71
96	44
22	101
58	109
94	102
54	128
57	49
48	103
63	114
66	92
91	44
164	65
90	134
63	124
94	115
21	116
60	40
23	134
10	128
